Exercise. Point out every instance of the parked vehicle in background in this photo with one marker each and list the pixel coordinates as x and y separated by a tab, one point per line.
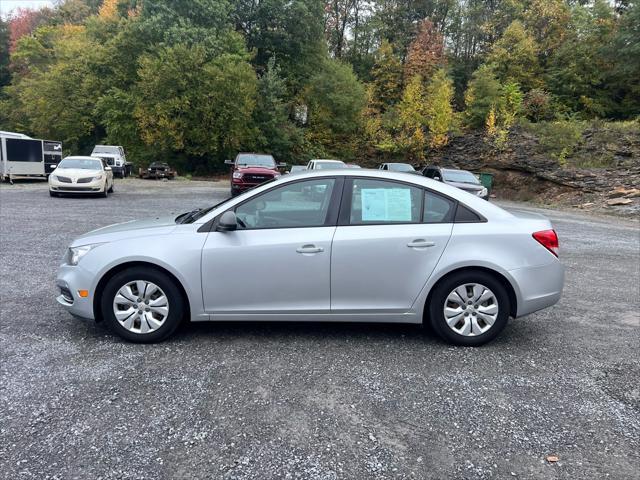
24	157
353	165
250	170
298	168
81	175
115	157
325	164
398	167
462	179
370	246
158	170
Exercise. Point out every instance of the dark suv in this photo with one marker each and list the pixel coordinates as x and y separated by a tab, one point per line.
462	179
250	170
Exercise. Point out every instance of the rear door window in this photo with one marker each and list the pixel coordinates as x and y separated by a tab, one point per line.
381	202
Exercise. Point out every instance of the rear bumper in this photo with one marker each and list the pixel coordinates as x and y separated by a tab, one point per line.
540	287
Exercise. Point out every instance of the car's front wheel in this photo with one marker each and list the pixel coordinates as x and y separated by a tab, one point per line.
469	308
142	305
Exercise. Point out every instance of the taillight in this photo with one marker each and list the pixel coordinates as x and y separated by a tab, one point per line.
549	240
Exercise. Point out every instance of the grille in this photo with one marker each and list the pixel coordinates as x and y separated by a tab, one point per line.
63	179
256	178
85	180
78	189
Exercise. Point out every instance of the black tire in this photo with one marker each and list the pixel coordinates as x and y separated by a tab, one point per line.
105	192
171	290
446	286
111	188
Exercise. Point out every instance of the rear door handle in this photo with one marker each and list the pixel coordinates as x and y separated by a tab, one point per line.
421	243
309	249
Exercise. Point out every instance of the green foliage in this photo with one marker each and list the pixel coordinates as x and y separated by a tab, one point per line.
336	100
439	109
537	105
387	79
5	75
514	58
558	138
483	94
412	116
190	104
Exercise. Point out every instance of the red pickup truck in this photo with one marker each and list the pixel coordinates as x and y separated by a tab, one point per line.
250	170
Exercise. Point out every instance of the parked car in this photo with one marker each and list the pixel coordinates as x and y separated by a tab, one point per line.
81	175
461	179
375	246
115	157
298	168
398	167
250	170
158	170
353	165
323	164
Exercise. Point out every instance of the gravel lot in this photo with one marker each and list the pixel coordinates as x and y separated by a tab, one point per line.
312	401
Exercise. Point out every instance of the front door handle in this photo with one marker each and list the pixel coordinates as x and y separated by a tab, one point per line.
421	243
309	249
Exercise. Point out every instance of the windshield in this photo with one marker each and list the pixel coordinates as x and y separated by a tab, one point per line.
103	149
401	167
461	176
329	165
249	160
83	163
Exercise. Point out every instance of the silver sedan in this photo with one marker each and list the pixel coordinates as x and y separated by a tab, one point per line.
340	245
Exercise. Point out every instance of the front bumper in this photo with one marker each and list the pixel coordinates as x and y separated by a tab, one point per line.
64	187
540	287
70	279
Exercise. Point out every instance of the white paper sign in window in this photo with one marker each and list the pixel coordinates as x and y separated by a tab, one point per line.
386	204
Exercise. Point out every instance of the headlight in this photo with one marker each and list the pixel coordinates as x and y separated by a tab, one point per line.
237	175
483	192
97	177
53	177
74	254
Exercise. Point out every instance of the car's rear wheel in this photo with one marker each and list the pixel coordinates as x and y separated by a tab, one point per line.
142	305
469	308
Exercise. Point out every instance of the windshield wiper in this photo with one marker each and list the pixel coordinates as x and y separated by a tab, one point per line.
186	217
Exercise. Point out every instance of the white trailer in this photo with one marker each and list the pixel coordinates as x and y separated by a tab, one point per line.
24	157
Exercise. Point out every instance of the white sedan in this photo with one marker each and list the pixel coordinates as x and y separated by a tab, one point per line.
81	175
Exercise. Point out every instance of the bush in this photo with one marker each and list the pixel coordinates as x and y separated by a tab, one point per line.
558	138
537	105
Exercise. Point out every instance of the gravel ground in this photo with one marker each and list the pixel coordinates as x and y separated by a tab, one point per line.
312	401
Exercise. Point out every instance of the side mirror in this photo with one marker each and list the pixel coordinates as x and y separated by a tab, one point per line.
107	169
229	162
228	222
53	167
282	165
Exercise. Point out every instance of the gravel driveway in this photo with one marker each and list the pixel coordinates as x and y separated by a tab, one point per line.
312	401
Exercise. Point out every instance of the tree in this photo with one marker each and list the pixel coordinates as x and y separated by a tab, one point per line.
514	58
483	94
191	104
387	79
426	52
5	75
412	117
336	100
277	134
438	108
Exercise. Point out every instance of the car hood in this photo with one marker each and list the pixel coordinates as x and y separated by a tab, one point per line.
470	187
130	229
256	170
76	172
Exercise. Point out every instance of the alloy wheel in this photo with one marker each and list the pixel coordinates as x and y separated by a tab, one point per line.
141	306
471	309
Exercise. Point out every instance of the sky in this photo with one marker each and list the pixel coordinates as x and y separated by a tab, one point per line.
7	6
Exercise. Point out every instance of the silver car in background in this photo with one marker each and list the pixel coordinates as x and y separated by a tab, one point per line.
338	245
